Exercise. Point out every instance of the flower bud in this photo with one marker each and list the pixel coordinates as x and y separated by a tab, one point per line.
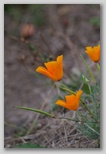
27	30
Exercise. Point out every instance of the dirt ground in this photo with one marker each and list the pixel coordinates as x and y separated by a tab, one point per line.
65	29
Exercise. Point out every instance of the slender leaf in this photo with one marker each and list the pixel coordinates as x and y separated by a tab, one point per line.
28	145
35	110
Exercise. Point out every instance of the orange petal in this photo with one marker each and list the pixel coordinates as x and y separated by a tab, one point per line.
72	102
90	52
44	71
97	53
60	66
79	93
93	53
55	68
61	103
60	60
70	99
51	66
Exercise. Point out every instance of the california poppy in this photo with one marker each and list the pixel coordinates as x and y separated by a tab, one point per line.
72	101
53	70
93	53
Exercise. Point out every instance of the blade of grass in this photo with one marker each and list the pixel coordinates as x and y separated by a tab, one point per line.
35	110
88	68
98	66
92	129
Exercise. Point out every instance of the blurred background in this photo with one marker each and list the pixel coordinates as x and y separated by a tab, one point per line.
34	34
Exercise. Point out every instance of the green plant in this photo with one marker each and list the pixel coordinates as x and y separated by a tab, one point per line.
87	118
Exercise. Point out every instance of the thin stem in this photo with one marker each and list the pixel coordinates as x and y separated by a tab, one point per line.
88	109
98	66
62	86
88	68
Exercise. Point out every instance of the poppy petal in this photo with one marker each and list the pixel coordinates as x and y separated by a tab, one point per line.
44	71
61	103
93	53
79	93
72	102
55	68
97	53
60	60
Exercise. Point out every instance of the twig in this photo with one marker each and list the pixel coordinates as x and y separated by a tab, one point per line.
42	37
27	137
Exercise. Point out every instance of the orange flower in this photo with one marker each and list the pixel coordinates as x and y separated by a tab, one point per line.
93	53
54	69
72	101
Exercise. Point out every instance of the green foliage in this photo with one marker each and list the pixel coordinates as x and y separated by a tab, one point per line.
38	14
14	11
88	68
32	47
34	10
86	88
95	21
91	128
75	82
28	145
36	110
84	78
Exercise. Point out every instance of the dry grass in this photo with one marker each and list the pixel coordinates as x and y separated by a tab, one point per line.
54	133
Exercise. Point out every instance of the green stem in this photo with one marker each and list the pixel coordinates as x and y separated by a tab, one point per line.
88	110
88	68
63	87
98	66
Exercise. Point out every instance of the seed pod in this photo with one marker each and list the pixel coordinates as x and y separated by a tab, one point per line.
31	30
27	30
